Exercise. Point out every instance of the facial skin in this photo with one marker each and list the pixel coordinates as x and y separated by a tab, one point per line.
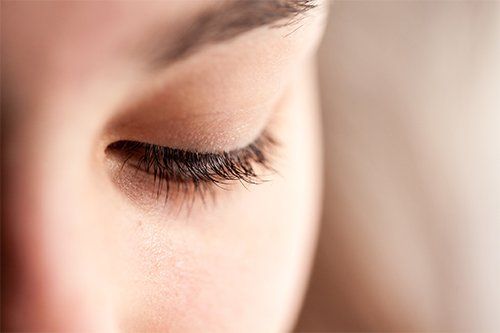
89	247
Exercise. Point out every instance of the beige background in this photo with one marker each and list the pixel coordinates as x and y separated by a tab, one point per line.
411	232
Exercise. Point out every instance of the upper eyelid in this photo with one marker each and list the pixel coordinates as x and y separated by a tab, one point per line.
264	136
228	165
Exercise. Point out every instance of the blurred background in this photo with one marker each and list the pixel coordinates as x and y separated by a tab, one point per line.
410	239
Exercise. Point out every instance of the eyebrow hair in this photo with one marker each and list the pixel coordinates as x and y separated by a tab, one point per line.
230	19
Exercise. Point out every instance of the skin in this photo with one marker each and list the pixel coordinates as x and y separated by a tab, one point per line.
87	248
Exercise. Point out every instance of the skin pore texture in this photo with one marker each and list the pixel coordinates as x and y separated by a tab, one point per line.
85	244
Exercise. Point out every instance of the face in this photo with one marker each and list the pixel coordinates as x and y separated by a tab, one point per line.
161	164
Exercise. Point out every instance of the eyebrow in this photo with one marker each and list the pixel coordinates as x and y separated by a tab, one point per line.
230	19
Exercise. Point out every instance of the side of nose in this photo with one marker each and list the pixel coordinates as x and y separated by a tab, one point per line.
51	276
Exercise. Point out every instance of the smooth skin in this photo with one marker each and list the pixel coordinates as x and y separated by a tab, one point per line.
86	250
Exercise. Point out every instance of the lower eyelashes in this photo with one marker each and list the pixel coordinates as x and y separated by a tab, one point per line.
174	172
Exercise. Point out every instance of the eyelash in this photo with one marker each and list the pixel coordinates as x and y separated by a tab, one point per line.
196	171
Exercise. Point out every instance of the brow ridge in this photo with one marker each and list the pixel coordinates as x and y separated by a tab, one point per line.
231	19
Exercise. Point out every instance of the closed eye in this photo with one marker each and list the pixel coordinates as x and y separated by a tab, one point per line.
178	170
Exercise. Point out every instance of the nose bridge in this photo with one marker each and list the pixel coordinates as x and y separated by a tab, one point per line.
51	277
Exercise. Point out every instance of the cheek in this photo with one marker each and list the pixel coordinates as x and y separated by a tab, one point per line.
241	263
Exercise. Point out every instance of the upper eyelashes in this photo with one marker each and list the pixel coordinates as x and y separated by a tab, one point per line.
196	170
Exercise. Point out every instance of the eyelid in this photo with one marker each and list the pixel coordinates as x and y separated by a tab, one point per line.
172	170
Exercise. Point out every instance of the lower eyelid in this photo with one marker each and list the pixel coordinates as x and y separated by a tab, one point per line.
140	189
141	184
